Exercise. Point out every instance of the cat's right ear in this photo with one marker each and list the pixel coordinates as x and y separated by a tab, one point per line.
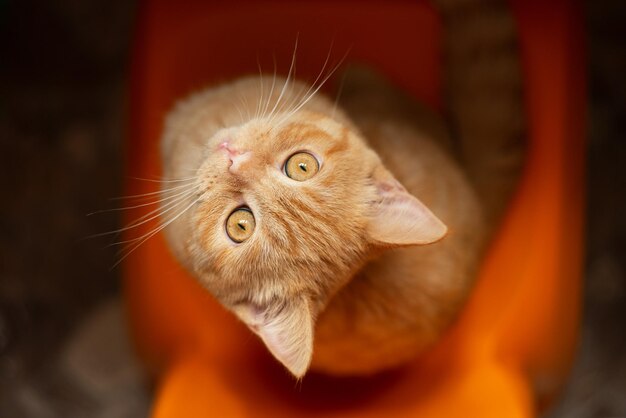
399	218
286	328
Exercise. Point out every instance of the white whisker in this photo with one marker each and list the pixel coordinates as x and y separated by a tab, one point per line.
284	89
282	120
259	105
246	105
269	97
149	216
164	181
143	195
238	109
139	205
312	86
339	91
155	231
162	209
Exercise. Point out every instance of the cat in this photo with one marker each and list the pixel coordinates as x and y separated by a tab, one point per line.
348	237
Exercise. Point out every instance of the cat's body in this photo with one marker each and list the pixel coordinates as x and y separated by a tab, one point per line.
360	264
405	297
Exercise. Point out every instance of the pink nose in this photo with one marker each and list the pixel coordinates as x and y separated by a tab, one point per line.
237	158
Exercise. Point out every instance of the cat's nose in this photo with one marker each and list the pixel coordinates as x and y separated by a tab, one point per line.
237	158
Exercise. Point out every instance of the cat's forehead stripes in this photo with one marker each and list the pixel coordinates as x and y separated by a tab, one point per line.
341	144
329	136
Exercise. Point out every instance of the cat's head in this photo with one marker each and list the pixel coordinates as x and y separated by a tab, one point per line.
289	212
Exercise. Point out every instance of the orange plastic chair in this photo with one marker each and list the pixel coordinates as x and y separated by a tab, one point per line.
509	352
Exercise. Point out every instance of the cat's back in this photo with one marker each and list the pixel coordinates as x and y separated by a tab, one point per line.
414	143
408	296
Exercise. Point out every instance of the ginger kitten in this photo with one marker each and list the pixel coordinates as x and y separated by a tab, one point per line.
316	237
346	238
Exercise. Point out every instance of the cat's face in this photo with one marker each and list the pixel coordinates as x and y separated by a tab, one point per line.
303	188
289	212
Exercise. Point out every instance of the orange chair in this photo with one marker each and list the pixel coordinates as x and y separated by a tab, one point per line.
509	352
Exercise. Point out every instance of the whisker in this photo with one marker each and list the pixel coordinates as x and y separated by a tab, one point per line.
246	105
300	98
296	95
338	96
163	181
260	103
149	216
296	98
139	205
143	195
269	97
241	118
282	92
282	120
159	215
154	232
292	88
162	209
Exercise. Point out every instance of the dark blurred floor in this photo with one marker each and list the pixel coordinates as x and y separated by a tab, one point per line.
63	68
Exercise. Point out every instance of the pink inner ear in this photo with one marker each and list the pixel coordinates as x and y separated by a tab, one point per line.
399	218
286	330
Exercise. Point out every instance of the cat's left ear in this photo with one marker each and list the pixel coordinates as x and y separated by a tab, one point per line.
399	218
286	328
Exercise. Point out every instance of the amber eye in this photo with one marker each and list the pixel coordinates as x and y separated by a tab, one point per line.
301	166
240	225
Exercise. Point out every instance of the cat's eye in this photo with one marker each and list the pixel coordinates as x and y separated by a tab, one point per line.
240	225
301	166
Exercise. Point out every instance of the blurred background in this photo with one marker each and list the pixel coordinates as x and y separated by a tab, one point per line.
63	109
